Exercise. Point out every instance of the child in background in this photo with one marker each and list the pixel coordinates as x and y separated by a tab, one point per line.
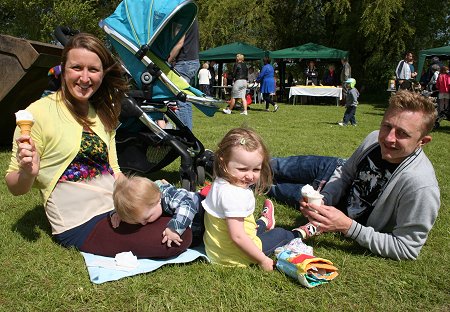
232	237
351	102
138	200
443	85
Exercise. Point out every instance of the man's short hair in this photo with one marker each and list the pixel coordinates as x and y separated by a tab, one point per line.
405	100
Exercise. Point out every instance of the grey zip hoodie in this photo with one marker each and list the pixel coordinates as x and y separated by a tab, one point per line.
405	210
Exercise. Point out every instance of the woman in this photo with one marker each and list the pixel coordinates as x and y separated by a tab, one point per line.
267	80
71	157
240	74
204	79
311	74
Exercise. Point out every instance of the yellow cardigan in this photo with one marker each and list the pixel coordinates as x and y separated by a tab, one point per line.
57	136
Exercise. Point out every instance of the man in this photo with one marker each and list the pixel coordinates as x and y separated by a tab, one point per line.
187	64
346	73
386	193
403	72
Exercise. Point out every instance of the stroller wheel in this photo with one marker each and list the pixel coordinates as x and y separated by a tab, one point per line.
200	175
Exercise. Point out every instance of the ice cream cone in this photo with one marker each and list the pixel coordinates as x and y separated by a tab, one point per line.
25	126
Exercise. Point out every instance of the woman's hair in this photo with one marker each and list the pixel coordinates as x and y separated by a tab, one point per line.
250	141
240	57
405	100
444	70
106	100
266	60
205	65
131	194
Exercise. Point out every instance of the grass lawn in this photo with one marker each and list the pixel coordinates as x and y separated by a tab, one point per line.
39	275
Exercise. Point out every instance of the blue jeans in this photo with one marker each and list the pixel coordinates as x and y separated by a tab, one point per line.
274	238
188	70
292	173
349	115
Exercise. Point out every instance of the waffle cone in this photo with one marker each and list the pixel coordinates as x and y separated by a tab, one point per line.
25	126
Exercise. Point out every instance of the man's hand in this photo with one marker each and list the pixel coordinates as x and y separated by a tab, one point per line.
327	218
170	237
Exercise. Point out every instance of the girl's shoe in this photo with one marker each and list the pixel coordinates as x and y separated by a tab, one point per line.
268	215
307	230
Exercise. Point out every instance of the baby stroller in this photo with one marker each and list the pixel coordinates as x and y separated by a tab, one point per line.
143	33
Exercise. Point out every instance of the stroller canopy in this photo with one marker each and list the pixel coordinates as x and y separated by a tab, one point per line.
156	25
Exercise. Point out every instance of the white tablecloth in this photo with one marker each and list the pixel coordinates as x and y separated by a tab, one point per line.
316	91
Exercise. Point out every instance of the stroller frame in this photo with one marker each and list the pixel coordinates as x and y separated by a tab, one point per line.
146	55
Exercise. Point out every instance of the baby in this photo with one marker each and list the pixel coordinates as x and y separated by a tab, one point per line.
138	200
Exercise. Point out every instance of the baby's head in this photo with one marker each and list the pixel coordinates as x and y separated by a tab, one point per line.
137	200
243	159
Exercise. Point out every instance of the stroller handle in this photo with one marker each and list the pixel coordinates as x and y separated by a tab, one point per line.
63	32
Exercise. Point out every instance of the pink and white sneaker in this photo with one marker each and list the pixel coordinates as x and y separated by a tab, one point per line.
268	214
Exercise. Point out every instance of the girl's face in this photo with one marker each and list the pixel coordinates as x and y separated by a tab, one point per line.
245	166
83	74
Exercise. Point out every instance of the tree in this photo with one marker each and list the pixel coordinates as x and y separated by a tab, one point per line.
223	22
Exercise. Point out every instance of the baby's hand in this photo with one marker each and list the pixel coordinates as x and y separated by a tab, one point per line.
170	237
267	264
115	220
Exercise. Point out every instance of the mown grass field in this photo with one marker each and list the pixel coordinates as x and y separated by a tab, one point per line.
38	275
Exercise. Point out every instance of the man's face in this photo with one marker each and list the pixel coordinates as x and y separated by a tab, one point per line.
409	57
401	134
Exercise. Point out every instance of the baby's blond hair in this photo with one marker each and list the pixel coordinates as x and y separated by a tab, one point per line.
132	194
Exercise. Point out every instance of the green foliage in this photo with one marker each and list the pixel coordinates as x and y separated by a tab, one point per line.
39	275
375	32
223	22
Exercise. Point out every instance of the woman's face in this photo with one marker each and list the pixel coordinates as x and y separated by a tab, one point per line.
83	74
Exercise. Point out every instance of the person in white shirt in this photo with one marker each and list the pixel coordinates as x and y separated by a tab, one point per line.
403	71
204	77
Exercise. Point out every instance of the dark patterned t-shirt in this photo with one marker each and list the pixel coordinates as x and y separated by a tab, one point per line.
91	160
373	174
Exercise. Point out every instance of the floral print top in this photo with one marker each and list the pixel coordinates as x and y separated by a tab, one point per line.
91	160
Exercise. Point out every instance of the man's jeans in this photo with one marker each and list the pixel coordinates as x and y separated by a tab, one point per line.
188	70
292	173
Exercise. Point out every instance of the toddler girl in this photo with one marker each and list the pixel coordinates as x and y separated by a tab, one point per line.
232	237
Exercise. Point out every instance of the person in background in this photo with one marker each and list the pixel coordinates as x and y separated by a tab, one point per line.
427	75
186	59
204	79
267	80
240	74
443	85
403	72
212	81
346	73
435	69
311	74
330	78
71	157
252	74
351	103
